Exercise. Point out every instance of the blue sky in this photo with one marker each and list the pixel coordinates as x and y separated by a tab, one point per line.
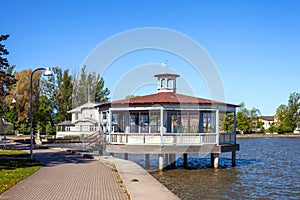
255	44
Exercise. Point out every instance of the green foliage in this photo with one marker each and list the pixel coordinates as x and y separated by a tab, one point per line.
3	52
247	120
6	72
55	99
24	128
272	128
89	87
50	128
228	125
130	96
288	116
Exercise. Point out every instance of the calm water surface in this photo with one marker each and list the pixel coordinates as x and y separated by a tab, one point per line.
267	168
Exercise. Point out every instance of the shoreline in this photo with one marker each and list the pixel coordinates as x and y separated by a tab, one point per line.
263	135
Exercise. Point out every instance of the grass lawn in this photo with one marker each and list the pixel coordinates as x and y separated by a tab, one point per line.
15	166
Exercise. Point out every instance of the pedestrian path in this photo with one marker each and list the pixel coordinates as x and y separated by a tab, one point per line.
68	176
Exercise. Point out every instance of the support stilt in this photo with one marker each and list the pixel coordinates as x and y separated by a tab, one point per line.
233	158
125	156
166	159
160	162
147	158
214	159
172	160
185	160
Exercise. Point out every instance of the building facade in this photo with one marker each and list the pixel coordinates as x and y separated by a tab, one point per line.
267	121
84	121
165	120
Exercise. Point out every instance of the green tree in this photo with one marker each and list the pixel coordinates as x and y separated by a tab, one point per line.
288	116
89	87
57	93
228	124
63	96
247	120
7	79
242	119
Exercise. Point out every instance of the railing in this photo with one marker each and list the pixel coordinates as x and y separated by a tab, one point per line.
227	138
165	139
76	133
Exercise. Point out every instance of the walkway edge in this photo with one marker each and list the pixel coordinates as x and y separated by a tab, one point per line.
139	183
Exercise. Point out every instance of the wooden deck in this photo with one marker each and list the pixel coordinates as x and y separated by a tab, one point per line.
172	149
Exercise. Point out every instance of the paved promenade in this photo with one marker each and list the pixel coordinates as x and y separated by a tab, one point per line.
67	176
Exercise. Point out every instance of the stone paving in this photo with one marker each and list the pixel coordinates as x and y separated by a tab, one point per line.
68	176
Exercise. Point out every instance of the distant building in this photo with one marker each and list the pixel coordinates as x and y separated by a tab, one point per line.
84	121
267	121
297	129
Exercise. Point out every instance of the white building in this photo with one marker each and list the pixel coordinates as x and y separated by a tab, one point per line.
166	123
84	121
297	129
267	121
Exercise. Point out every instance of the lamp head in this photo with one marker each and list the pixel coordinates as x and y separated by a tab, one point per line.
48	72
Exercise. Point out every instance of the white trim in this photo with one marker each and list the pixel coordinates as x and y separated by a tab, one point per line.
217	126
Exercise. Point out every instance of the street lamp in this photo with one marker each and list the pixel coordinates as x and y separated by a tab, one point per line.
46	73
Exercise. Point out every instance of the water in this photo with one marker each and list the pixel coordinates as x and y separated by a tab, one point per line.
267	168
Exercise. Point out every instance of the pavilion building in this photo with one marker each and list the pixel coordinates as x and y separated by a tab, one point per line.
166	123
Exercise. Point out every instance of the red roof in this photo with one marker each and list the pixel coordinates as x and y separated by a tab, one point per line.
167	97
267	118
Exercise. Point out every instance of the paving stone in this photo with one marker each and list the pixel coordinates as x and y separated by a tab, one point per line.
67	176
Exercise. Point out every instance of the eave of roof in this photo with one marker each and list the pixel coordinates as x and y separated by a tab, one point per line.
166	74
267	118
166	97
83	106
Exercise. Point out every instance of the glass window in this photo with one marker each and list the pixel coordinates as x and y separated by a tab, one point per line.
209	122
134	125
173	122
194	122
144	122
184	122
154	122
118	121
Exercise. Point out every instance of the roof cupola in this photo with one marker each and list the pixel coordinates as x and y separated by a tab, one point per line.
166	82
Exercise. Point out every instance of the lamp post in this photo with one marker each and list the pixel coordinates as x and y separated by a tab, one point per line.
47	73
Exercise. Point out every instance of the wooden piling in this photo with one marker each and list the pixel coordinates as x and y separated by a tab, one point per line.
185	160
125	156
233	158
160	162
214	159
172	160
147	158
